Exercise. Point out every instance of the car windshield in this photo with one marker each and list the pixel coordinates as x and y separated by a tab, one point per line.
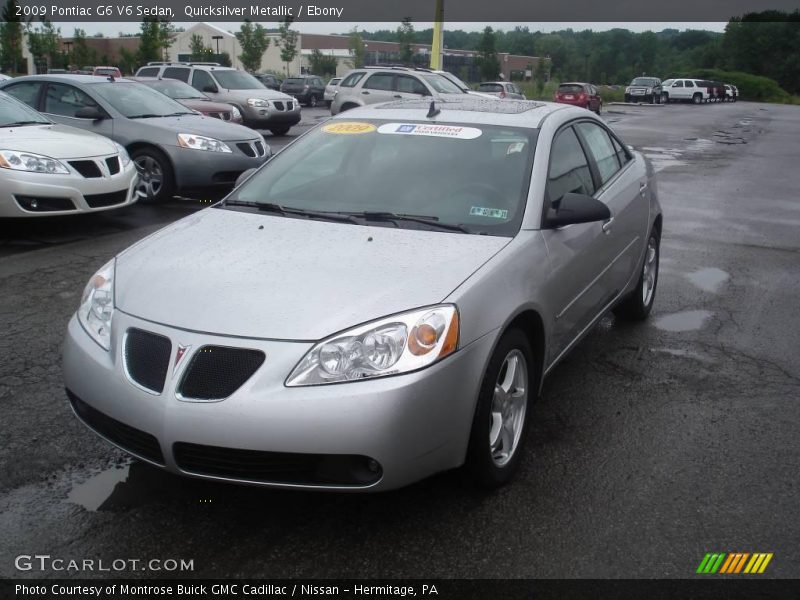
294	80
237	80
643	81
334	81
667	82
570	88
490	87
177	90
389	173
455	80
106	72
441	84
13	112
138	101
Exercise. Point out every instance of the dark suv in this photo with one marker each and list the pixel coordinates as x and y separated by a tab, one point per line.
308	89
644	89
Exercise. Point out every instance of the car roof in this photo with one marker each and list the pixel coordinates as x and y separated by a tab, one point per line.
573	83
474	109
68	78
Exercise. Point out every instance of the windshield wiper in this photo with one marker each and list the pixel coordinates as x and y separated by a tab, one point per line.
289	210
145	116
394	217
18	123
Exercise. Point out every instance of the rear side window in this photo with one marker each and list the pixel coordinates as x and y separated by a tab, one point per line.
689	84
601	149
148	72
179	73
379	81
569	169
352	79
27	92
410	85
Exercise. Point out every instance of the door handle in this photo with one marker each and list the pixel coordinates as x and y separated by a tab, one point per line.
365	92
642	188
607	225
397	96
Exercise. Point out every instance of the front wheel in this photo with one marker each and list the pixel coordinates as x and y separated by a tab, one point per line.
502	415
312	101
638	304
156	178
282	130
665	98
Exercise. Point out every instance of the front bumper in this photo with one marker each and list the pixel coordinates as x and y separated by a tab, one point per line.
25	194
276	113
198	169
411	425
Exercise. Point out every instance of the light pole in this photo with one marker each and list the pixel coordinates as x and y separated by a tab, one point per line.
217	38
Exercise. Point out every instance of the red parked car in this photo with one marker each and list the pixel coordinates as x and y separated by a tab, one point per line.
579	94
188	96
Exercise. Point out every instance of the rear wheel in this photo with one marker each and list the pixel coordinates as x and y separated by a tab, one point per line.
502	414
665	98
156	177
697	98
637	305
312	101
282	130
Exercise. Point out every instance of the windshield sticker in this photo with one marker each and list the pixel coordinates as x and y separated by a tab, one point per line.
445	131
494	213
349	128
515	148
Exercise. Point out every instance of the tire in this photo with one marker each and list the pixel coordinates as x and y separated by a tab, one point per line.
637	305
328	103
501	418
665	98
156	175
281	130
599	109
697	98
347	107
627	99
312	101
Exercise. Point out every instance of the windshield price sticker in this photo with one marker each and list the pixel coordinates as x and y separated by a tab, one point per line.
445	131
349	128
493	213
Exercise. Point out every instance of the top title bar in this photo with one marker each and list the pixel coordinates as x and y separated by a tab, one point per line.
364	11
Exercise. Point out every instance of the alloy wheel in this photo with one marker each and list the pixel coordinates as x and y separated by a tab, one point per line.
649	271
509	403
151	176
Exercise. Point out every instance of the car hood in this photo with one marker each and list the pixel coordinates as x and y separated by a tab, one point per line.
205	105
255	275
55	141
264	94
200	125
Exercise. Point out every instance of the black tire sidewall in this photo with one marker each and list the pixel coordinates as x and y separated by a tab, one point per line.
168	183
479	464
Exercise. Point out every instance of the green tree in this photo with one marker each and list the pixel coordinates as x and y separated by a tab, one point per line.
43	44
488	65
254	41
80	53
288	42
357	49
127	61
198	48
405	37
11	38
540	76
154	38
321	64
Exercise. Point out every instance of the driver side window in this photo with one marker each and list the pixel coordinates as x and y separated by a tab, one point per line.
569	168
65	100
202	80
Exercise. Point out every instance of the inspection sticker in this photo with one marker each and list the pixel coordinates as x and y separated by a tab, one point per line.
349	128
494	213
445	131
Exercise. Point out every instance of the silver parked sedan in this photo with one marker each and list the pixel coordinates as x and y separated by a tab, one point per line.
381	301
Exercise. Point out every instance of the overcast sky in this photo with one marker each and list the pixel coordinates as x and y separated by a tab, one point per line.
112	29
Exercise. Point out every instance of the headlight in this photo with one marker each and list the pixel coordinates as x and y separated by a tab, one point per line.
628	90
235	114
34	163
97	305
257	102
124	157
649	90
397	344
201	142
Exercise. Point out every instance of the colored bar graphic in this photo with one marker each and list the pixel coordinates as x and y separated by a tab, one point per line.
704	563
764	564
734	563
740	564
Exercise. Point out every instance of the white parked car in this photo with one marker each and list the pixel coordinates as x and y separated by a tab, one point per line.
48	169
685	90
330	90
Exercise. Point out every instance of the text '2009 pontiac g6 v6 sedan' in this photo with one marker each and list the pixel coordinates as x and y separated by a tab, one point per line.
378	303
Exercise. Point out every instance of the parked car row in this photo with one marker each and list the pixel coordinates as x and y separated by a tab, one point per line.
698	91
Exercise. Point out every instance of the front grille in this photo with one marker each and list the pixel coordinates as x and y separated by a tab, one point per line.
113	165
44	204
247	149
277	467
147	358
126	437
110	199
278	105
259	148
217	371
289	105
87	168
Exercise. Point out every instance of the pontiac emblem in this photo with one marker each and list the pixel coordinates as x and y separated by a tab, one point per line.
179	356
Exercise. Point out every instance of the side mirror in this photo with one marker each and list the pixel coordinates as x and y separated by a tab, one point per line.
577	208
244	176
90	112
210	89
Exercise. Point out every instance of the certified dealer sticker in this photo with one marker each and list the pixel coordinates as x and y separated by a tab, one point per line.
445	131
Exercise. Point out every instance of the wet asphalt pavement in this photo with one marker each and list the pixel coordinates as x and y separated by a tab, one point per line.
652	444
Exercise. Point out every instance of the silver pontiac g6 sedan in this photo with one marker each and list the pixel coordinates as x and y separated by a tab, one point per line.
379	302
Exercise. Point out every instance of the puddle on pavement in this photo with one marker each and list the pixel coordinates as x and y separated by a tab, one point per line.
92	493
709	279
687	320
684	354
661	158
